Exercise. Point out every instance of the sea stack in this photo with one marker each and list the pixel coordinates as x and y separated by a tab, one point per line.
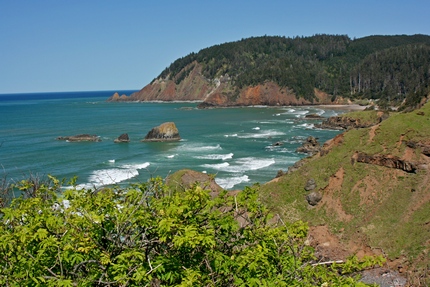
162	133
122	139
80	138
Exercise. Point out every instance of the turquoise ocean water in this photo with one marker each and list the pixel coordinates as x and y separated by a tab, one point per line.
236	144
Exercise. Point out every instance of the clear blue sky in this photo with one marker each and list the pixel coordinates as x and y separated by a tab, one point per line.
85	45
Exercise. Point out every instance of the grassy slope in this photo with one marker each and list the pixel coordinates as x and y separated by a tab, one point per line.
385	208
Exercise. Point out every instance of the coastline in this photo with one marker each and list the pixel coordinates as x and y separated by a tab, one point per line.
349	107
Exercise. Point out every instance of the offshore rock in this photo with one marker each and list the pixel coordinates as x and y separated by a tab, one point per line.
164	132
80	138
116	97
122	139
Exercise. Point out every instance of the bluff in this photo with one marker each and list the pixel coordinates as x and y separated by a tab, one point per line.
322	69
373	187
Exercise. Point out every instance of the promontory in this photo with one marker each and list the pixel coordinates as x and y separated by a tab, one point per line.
321	69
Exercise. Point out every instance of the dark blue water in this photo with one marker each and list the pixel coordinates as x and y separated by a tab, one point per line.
236	144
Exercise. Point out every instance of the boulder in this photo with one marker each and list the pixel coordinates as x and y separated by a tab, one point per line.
164	132
80	138
122	139
310	185
313	198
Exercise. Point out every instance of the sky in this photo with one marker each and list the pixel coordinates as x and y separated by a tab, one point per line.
94	45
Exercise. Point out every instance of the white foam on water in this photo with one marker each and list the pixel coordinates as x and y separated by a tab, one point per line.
233	135
216	156
307	126
197	147
170	156
320	112
252	163
110	176
262	134
301	114
135	166
256	128
113	175
230	182
217	166
242	164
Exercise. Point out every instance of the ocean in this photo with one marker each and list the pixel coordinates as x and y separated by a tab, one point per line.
235	144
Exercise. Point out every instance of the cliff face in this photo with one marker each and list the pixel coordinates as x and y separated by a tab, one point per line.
218	92
194	87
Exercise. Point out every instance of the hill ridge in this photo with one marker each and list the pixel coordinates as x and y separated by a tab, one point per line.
391	69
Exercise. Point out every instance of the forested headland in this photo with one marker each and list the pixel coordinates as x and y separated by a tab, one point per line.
393	70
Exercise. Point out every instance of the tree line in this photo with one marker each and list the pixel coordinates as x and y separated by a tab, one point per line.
386	68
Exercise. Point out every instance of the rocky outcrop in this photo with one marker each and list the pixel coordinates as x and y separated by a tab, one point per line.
425	148
313	117
384	160
80	138
116	97
345	123
331	143
311	146
187	178
310	185
124	138
164	132
313	198
190	85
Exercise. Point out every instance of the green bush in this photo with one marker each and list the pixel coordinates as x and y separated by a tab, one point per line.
150	235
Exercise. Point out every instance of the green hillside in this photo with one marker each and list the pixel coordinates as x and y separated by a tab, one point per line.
380	204
389	68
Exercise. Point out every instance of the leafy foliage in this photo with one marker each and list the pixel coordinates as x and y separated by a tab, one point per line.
386	67
148	234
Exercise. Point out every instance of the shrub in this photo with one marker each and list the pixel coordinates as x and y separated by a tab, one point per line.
148	234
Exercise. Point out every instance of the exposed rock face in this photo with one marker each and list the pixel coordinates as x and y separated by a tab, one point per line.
313	116
385	160
311	145
122	139
344	123
116	98
80	138
164	132
191	85
330	144
189	177
425	148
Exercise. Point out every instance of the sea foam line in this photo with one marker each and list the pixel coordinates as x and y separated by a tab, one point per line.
215	156
242	164
110	176
230	182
